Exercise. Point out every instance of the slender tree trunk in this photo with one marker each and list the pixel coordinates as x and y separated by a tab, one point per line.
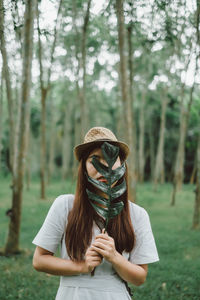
76	113
192	178
80	110
12	244
17	124
159	167
67	142
127	105
80	47
151	148
52	143
8	86
141	139
1	112
196	214
83	105
44	92
132	100
180	158
43	144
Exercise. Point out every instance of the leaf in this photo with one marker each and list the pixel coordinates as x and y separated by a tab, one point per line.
110	153
101	185
96	198
106	206
102	169
118	190
118	173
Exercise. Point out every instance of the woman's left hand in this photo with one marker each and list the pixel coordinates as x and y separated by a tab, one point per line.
105	245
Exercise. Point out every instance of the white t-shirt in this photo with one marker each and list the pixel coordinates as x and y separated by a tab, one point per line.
52	234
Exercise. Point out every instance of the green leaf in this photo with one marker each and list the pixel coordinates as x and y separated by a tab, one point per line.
106	206
100	185
96	198
101	210
118	173
118	190
102	169
110	153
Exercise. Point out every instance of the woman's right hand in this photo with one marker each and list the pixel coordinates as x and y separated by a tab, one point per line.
92	260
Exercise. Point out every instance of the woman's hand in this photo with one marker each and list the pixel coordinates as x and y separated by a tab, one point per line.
105	246
92	260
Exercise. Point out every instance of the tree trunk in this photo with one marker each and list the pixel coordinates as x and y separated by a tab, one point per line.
44	92
151	148
196	214
132	100
12	244
141	161
192	178
67	142
127	105
159	176
8	87
83	106
77	118
52	142
180	157
80	47
1	113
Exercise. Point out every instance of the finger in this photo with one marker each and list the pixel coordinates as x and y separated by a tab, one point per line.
99	245
104	241
92	252
103	236
100	250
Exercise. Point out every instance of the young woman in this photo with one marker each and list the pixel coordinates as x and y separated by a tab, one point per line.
95	264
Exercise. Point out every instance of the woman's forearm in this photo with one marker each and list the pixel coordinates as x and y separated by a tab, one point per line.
128	271
58	266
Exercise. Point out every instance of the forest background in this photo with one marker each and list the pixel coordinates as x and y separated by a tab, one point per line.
131	66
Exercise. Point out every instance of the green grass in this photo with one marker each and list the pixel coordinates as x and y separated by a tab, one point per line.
175	277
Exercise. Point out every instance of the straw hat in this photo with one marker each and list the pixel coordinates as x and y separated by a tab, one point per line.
97	135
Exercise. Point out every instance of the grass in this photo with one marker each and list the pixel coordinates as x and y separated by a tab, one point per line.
175	277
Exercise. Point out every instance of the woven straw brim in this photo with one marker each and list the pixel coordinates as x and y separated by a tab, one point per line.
81	150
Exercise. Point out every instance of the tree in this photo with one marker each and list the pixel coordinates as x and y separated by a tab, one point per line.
44	91
159	175
12	244
127	105
80	54
141	159
196	214
131	88
8	90
1	113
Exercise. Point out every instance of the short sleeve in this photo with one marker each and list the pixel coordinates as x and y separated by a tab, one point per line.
51	232
145	250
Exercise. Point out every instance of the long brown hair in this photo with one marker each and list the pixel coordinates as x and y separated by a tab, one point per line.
80	221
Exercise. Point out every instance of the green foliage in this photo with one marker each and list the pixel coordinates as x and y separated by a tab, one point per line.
110	208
